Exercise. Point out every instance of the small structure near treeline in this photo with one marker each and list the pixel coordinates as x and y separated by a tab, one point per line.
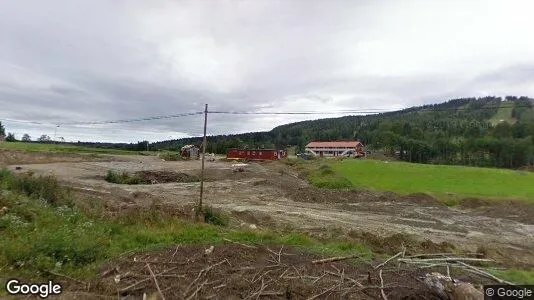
190	152
255	154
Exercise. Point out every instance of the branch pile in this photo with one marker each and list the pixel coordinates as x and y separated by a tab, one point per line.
277	272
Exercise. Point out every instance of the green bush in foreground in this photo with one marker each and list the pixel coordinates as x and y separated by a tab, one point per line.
38	236
43	188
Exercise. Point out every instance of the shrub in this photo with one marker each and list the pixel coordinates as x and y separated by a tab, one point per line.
324	176
326	170
5	174
123	178
45	188
215	217
37	236
450	202
170	156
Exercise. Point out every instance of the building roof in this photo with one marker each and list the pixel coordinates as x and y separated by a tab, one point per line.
189	147
333	144
251	149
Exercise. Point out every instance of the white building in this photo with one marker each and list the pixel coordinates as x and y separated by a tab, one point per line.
335	148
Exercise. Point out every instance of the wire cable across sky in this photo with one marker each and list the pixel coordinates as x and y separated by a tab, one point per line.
135	120
179	115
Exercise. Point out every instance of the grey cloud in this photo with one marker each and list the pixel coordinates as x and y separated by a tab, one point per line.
66	91
104	60
516	74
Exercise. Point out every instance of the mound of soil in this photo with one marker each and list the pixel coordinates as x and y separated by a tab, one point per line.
223	174
511	209
154	177
235	271
473	203
395	242
423	199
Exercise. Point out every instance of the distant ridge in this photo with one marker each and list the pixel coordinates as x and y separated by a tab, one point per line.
488	131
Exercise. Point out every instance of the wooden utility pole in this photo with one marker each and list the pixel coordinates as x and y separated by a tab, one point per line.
199	209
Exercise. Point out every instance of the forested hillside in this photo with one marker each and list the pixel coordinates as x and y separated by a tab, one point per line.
488	131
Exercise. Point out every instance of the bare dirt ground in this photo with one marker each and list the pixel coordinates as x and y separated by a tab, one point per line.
270	195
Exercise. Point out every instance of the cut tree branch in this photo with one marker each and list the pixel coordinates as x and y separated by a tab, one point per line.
382	286
389	259
155	281
333	259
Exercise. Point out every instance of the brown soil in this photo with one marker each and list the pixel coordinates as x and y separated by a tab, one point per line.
515	209
473	203
155	177
250	217
396	242
234	271
422	198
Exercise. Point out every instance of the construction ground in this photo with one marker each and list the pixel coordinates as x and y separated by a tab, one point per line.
270	195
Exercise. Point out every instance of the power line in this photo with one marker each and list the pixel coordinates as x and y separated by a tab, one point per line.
300	112
348	111
27	122
135	120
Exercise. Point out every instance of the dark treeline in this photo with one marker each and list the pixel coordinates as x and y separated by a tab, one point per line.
139	146
460	131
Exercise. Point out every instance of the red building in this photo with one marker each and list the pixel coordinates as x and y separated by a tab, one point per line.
256	154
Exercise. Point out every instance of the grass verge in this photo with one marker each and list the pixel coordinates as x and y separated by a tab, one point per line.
41	234
62	148
519	276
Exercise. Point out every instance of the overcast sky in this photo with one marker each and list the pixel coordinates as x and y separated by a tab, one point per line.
95	60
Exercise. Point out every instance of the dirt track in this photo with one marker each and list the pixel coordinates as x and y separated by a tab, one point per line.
270	195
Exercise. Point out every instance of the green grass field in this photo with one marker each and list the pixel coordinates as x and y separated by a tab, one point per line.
438	180
38	147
